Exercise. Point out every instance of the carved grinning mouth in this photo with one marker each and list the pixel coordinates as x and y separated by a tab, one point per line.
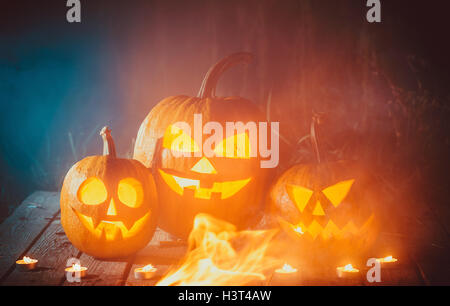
314	229
224	189
112	230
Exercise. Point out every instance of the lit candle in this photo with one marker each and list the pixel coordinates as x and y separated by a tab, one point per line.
286	269
298	230
145	272
76	268
387	261
26	264
286	275
347	271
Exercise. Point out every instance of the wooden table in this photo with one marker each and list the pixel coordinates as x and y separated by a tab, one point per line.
35	229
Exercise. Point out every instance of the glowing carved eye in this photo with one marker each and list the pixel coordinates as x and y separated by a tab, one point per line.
237	146
301	195
178	140
130	192
92	191
337	193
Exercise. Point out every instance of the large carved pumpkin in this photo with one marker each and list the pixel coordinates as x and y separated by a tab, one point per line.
223	186
108	204
328	208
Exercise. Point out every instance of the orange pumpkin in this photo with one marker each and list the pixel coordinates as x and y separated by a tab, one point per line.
329	208
108	204
226	187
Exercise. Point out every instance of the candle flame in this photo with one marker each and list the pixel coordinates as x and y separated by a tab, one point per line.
76	267
148	268
387	259
348	268
299	230
28	260
286	269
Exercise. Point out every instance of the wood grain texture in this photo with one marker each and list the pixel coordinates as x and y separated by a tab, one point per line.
101	273
52	249
24	226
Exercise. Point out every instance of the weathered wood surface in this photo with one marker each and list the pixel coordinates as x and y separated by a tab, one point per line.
101	273
19	232
52	249
419	240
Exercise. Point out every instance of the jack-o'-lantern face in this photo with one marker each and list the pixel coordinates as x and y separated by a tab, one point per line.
202	180
118	213
330	204
218	185
317	209
108	204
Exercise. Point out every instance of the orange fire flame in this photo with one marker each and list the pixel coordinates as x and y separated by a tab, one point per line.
220	255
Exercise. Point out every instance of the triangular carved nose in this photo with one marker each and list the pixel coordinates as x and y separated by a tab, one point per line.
112	209
318	210
204	166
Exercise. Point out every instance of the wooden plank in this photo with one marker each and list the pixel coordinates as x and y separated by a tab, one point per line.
433	264
402	275
418	238
19	231
160	255
163	252
102	273
52	250
430	246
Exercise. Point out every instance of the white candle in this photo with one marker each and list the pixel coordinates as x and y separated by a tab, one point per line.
76	268
145	272
286	275
26	264
286	269
347	271
388	261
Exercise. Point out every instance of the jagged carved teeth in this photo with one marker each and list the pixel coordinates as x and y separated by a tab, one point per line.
111	230
330	229
224	189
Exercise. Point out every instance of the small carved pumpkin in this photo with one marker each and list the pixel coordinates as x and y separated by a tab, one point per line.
108	204
223	186
328	207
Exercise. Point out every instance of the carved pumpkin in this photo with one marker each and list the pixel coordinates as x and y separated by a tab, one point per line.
224	186
327	207
108	204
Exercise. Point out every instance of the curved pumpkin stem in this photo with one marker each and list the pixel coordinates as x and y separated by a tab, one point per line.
109	148
208	88
314	137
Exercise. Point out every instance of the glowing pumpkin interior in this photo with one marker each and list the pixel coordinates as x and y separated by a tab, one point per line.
236	146
335	194
93	192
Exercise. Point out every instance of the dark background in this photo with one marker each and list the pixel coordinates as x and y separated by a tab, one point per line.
383	88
